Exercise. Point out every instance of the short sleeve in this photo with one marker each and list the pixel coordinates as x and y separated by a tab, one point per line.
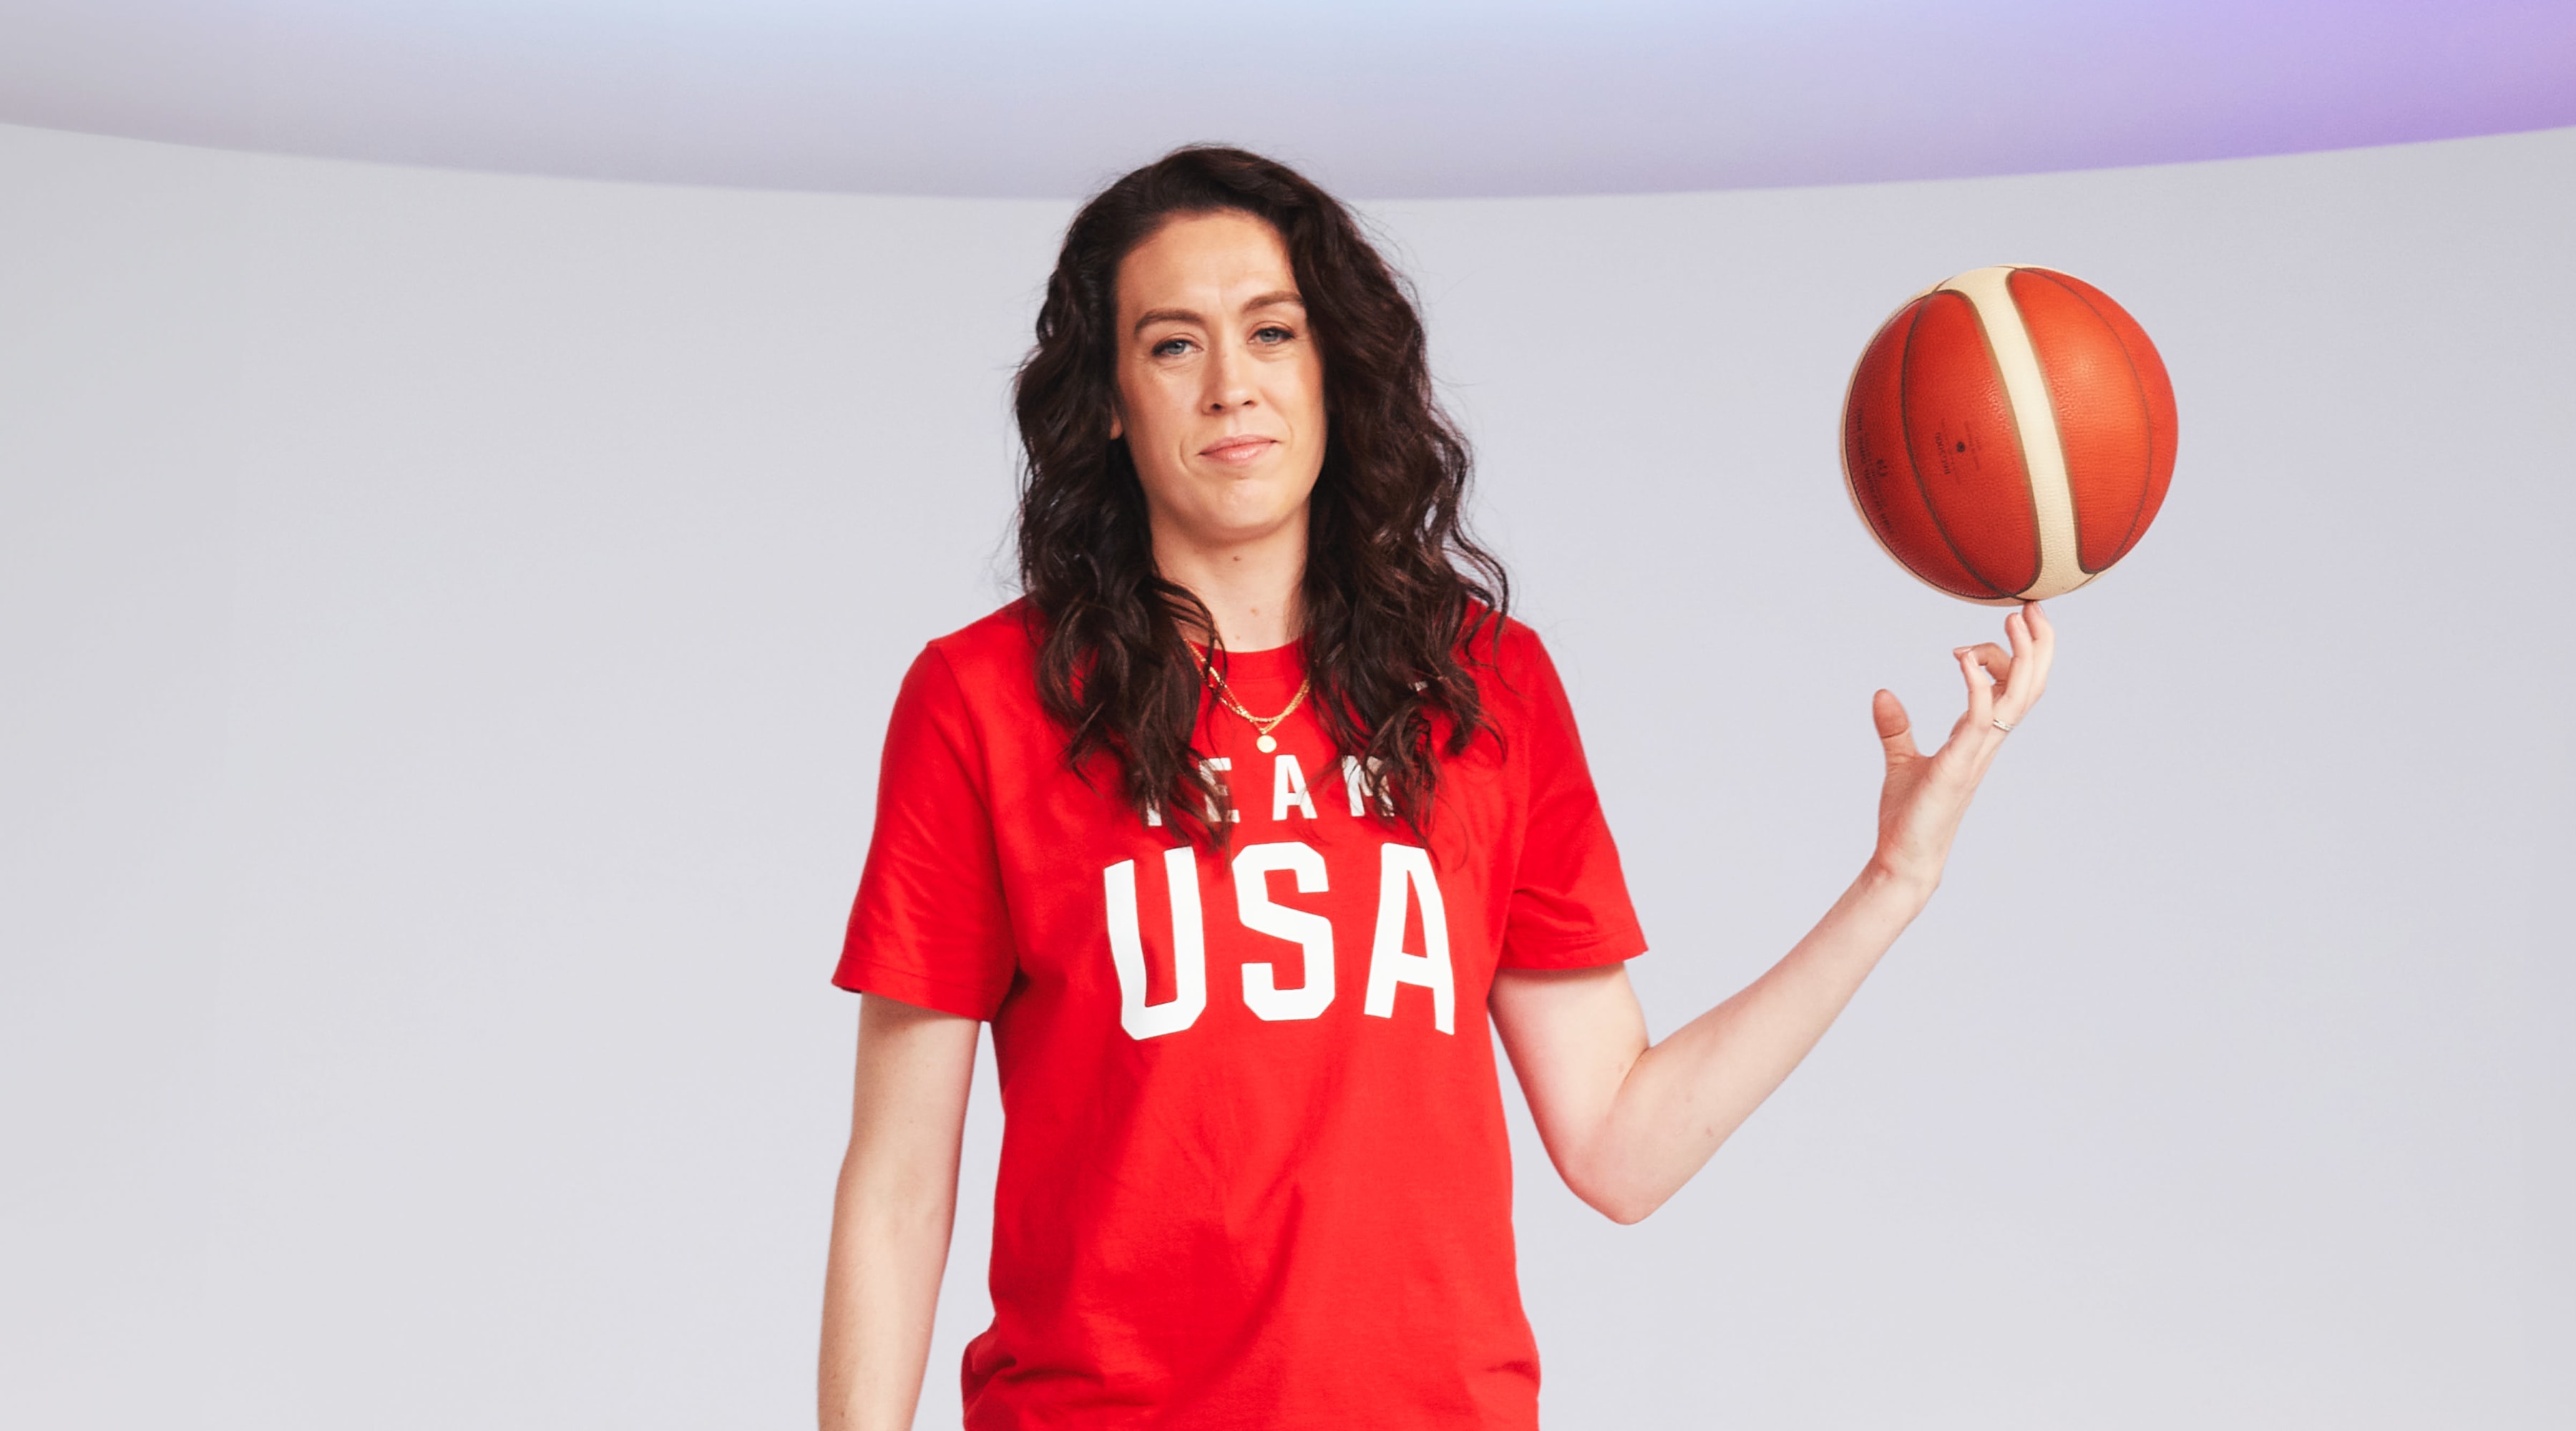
1569	901
930	926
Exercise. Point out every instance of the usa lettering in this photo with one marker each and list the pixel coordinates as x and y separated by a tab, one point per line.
1405	884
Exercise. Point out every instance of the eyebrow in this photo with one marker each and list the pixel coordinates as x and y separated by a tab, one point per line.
1273	299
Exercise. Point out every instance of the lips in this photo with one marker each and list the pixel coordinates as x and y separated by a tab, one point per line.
1241	448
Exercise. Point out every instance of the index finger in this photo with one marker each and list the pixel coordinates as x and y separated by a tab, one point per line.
2034	644
2043	634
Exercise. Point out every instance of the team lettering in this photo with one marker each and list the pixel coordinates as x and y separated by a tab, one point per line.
1405	883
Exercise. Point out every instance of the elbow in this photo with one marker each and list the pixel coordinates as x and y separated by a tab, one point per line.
1626	1205
1625	1211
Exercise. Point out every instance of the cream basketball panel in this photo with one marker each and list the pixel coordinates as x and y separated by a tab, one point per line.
2035	419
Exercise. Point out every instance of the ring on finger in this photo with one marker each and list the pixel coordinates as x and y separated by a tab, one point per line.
1999	725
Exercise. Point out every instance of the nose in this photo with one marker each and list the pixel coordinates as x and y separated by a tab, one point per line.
1229	378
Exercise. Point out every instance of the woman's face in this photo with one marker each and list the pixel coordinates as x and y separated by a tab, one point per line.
1220	389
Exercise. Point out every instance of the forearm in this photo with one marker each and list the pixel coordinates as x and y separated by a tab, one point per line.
892	1213
889	1250
1628	1123
1683	1097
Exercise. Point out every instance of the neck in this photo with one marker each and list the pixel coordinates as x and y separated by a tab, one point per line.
1250	587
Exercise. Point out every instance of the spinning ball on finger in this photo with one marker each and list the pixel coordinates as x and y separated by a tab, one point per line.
2008	434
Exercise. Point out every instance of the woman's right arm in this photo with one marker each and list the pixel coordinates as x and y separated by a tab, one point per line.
892	1215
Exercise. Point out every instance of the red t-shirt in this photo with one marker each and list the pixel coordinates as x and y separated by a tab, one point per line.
1254	1170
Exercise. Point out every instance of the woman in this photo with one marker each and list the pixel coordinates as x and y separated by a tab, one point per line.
1237	828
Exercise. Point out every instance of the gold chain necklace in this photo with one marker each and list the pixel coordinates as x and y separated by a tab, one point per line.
1264	742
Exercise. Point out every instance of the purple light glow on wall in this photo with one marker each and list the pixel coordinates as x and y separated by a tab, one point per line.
1427	98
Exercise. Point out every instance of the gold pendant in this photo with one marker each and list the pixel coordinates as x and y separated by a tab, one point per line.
1265	745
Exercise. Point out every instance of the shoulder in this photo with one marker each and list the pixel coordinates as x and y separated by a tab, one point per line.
967	696
995	656
1523	700
973	680
1516	646
1510	662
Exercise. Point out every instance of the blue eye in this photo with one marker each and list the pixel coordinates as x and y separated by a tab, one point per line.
1171	347
1273	334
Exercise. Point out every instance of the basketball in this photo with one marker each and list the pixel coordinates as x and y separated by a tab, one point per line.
2008	434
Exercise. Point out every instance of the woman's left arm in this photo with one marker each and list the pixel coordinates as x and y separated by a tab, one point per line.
1628	1122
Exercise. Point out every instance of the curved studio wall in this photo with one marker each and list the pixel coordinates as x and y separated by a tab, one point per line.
446	622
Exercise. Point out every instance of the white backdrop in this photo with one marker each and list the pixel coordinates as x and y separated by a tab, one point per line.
446	622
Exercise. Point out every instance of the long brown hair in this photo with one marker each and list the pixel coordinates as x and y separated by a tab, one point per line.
1395	589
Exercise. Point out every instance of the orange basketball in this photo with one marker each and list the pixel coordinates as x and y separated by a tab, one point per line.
2009	434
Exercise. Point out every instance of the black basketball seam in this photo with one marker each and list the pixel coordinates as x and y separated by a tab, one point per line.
2138	385
1878	498
1905	439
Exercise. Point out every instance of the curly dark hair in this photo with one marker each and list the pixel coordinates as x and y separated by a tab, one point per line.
1397	596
